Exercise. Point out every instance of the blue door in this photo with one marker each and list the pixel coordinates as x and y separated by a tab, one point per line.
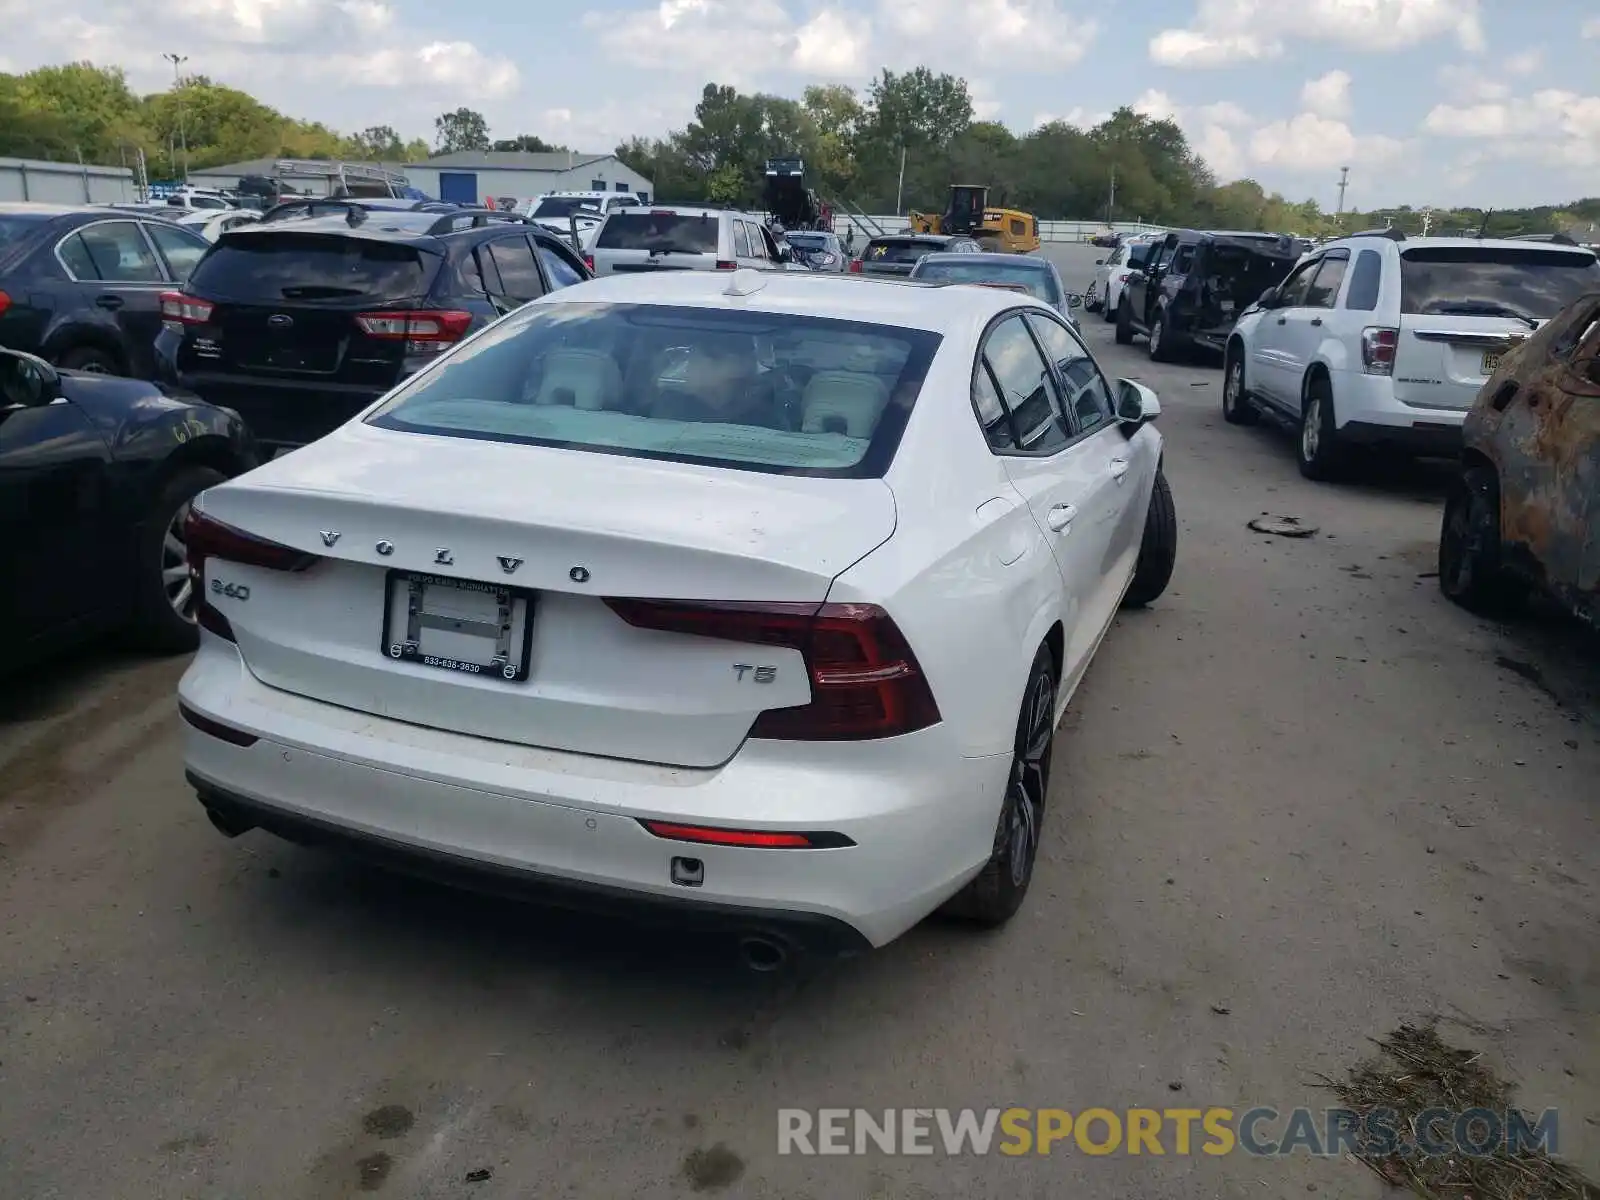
458	187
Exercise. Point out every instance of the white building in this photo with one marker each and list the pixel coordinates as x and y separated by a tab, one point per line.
473	176
64	183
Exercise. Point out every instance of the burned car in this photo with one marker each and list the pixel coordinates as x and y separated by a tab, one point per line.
1196	284
1525	512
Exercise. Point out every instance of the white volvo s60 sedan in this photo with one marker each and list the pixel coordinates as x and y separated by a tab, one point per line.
749	598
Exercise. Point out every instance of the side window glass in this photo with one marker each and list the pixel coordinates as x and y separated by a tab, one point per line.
1325	287
119	253
763	244
1293	292
992	414
741	240
76	255
519	273
181	250
561	272
1364	280
1026	387
1163	258
1184	260
1085	393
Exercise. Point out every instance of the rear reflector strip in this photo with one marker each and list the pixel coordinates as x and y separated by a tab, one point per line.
759	839
226	733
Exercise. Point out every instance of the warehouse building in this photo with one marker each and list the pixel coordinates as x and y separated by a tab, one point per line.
473	176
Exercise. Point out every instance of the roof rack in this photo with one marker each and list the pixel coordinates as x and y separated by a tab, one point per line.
312	203
1389	231
475	218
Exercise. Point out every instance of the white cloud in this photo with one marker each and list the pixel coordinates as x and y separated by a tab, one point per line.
1591	28
1327	95
1525	63
732	39
1017	35
1309	142
1232	31
1469	83
1553	126
833	46
1076	116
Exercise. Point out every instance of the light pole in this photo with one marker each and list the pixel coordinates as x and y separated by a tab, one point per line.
177	61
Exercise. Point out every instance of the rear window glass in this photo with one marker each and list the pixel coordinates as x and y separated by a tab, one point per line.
807	241
898	250
247	265
1036	280
782	393
664	233
560	206
1494	280
1139	254
16	226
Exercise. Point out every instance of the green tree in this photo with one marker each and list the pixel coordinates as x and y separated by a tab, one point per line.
462	129
30	132
381	143
726	185
835	116
528	143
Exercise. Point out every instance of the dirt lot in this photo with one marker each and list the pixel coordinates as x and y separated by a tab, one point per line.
1298	801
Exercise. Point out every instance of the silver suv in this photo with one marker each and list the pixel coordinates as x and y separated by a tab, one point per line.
684	239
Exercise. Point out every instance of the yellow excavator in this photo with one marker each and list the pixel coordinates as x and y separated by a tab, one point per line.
969	213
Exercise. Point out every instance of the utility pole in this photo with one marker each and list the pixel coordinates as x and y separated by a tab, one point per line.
900	189
1344	182
1111	201
177	61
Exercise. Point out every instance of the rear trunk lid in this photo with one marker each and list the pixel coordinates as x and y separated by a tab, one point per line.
1465	305
536	559
651	240
1232	278
895	256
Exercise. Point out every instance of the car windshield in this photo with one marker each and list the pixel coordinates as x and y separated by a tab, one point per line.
1038	281
807	241
782	393
16	226
1495	280
276	265
659	232
560	206
898	250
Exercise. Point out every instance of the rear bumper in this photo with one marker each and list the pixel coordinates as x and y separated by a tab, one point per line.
566	827
1368	414
280	413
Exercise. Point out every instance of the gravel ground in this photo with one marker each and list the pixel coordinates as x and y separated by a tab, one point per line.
1297	801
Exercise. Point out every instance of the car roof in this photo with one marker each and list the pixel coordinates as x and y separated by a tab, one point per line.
40	209
909	304
390	225
1411	243
682	210
993	257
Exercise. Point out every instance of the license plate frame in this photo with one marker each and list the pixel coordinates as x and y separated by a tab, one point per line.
1491	361
512	649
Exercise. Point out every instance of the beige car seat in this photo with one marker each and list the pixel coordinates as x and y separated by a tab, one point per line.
581	378
846	402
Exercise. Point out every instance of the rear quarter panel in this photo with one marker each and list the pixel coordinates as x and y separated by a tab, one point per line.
973	621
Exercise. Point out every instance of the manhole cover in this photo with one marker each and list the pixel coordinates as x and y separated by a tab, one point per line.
1283	526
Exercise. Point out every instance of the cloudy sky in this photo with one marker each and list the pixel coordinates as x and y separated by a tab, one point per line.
1427	101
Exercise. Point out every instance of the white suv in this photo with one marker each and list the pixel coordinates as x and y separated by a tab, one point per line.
1380	339
684	239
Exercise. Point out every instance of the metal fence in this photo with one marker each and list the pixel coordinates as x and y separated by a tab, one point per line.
64	183
1049	231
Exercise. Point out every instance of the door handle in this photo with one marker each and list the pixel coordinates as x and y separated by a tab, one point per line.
1283	320
1060	518
1316	320
111	302
1119	468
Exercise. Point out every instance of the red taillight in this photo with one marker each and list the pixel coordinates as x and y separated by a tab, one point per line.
724	265
5	303
588	261
761	839
663	212
424	331
178	310
1377	350
205	537
227	733
865	681
855	266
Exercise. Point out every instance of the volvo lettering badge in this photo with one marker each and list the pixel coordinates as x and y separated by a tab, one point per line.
508	565
329	536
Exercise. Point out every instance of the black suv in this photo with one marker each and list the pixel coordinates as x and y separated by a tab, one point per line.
1194	285
300	324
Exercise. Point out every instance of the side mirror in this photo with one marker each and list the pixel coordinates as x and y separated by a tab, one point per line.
26	381
1074	300
1099	262
1136	403
1269	298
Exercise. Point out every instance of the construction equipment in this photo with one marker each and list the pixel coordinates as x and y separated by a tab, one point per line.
969	213
790	200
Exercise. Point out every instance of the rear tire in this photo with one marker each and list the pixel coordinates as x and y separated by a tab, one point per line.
1471	573
1109	310
1321	452
165	622
1158	551
91	360
1237	407
996	892
1124	334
